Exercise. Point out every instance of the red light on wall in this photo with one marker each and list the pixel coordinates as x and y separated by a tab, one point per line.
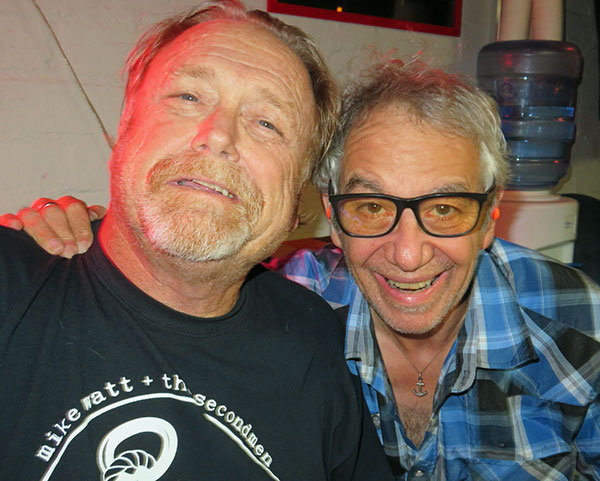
339	9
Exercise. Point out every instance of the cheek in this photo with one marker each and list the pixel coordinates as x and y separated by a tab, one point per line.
155	129
462	251
335	236
358	252
274	172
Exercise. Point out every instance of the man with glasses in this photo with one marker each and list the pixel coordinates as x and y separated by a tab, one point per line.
478	359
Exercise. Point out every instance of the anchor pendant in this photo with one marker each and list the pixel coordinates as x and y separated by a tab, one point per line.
420	384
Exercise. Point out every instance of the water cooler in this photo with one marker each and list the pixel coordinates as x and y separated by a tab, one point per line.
535	84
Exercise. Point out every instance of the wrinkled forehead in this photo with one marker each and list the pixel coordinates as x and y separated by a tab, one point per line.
372	122
389	149
240	45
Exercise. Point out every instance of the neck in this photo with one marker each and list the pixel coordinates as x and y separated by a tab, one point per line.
421	349
413	363
201	289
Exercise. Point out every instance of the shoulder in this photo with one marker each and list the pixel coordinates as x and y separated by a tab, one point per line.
301	308
21	262
554	310
312	268
15	237
323	271
568	366
546	286
284	292
524	265
20	256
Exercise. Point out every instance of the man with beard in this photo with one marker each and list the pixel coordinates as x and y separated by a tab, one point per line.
479	359
164	351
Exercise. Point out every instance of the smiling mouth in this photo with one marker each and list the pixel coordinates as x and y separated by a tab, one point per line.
205	186
412	286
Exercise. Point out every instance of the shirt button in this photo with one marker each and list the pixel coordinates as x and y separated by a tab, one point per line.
419	473
376	420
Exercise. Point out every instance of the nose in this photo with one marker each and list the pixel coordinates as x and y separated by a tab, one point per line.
216	135
407	245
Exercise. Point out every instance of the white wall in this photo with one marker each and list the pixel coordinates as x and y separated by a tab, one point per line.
53	145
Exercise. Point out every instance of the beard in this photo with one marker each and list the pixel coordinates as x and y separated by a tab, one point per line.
198	230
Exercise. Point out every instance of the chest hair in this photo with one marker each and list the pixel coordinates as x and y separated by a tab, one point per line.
415	420
414	412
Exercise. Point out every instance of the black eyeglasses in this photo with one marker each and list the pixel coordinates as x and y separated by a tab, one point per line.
439	215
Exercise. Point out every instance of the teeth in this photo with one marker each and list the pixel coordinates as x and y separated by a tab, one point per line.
415	286
220	190
225	192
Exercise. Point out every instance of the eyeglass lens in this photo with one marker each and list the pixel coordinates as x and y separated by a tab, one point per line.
372	216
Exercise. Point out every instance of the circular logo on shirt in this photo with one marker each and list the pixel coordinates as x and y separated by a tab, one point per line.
136	464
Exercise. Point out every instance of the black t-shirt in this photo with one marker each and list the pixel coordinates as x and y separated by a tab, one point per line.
100	381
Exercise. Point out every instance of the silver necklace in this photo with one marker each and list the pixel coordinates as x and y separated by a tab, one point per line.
420	384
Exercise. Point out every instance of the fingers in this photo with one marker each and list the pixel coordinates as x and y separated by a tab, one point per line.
11	221
78	217
34	223
96	212
60	227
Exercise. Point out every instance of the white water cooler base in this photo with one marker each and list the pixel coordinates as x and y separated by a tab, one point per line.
539	220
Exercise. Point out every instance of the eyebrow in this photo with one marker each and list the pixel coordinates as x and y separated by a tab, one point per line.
287	109
356	182
273	100
194	71
450	189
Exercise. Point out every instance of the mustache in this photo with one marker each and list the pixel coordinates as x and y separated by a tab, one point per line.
191	166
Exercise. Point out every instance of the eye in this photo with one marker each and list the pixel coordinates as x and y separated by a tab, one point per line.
267	125
188	97
371	209
443	210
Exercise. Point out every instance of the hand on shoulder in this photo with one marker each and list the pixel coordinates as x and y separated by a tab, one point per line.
61	227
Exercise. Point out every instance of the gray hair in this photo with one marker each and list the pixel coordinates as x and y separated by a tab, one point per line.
442	100
323	86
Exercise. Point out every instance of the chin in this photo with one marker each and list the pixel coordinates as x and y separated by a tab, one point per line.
193	237
418	320
415	328
203	250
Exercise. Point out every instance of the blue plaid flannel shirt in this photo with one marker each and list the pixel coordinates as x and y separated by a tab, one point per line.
518	394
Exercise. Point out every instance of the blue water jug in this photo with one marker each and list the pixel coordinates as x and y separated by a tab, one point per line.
535	84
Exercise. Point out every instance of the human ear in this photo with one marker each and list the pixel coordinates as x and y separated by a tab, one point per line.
494	213
334	234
